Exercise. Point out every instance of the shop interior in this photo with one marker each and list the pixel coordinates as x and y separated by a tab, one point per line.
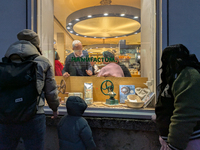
124	28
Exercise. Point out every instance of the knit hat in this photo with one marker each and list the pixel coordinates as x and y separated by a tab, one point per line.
31	36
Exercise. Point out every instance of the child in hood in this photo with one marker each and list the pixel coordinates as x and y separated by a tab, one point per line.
73	130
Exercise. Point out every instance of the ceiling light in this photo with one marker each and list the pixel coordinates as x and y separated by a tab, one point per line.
71	31
135	33
77	34
68	27
78	17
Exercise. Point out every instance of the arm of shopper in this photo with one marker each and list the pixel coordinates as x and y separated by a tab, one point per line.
50	89
187	108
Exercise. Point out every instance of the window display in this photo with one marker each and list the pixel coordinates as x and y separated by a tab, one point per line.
113	29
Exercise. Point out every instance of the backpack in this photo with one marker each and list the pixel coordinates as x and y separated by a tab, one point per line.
18	91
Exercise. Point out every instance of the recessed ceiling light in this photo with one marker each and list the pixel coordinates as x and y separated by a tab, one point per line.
68	27
89	16
70	23
77	19
96	47
110	47
71	31
116	37
94	37
76	34
136	17
135	33
105	14
122	14
85	36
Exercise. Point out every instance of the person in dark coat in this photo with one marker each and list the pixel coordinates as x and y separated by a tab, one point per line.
33	131
73	130
178	106
75	63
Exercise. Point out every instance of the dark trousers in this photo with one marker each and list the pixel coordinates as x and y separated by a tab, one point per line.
32	133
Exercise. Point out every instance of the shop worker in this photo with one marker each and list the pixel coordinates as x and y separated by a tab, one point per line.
75	65
74	133
112	68
33	131
107	54
178	107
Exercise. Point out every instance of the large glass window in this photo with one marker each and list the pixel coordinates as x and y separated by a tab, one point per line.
124	28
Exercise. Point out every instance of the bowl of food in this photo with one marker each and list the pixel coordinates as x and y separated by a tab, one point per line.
134	101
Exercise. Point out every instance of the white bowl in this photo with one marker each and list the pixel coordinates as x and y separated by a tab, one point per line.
134	104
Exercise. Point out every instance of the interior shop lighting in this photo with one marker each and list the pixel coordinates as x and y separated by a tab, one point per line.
112	11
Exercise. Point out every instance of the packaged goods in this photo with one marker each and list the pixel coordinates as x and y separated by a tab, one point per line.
80	94
88	93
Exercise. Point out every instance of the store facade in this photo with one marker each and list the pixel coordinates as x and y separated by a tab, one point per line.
161	23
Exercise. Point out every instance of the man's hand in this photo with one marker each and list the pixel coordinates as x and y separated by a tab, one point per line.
55	114
66	74
89	72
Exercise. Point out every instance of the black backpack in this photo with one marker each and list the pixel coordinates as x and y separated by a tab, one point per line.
19	97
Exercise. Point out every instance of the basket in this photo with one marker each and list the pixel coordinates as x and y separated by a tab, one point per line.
132	104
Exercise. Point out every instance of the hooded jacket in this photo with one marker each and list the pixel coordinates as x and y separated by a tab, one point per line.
73	130
45	74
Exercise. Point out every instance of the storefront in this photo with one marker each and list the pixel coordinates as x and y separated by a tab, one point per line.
158	24
128	30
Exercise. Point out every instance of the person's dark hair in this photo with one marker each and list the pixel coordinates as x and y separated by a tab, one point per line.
108	54
56	56
174	59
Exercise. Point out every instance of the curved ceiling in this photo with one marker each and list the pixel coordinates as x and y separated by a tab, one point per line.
63	8
106	27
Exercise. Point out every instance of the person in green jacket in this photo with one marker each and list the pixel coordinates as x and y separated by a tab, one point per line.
178	106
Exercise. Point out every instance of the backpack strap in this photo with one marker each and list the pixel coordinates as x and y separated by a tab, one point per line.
31	57
6	60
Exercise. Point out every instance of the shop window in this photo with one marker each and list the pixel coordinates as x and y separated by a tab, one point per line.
124	28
